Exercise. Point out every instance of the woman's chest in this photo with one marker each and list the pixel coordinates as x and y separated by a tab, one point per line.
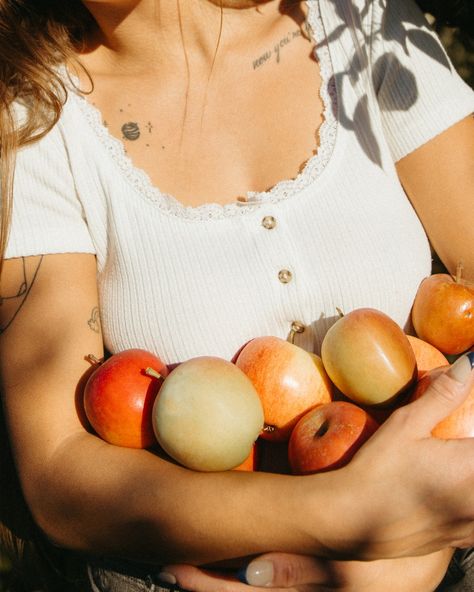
213	136
184	287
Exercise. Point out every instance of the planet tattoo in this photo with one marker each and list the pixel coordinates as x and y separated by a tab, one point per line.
130	130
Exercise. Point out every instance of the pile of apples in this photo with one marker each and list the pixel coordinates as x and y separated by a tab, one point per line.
210	414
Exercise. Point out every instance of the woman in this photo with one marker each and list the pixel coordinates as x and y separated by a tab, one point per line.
216	104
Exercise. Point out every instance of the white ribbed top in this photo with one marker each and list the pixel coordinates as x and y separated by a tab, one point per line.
186	281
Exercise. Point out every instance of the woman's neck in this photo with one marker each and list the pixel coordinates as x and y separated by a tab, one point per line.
141	36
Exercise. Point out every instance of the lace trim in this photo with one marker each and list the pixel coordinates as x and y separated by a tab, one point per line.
313	168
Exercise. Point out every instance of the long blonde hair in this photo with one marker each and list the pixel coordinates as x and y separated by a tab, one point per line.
36	36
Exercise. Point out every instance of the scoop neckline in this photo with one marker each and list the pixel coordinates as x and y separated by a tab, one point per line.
313	168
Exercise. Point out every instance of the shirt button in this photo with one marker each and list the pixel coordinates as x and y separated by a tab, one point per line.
269	222
285	276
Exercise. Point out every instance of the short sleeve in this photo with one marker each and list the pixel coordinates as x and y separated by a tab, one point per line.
419	92
47	215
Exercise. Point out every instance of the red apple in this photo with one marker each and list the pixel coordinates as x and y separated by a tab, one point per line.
460	423
427	356
288	379
207	415
443	312
328	436
119	397
368	357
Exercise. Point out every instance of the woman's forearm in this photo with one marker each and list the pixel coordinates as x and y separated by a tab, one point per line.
104	499
385	504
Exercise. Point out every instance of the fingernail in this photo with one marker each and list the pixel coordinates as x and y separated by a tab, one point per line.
257	573
462	367
167	577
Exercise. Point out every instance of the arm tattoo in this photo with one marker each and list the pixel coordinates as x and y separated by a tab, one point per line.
94	321
11	304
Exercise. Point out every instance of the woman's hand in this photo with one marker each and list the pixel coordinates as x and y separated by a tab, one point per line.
280	571
408	493
289	572
303	572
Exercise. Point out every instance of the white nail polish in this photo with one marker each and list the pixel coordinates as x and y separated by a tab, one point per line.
259	573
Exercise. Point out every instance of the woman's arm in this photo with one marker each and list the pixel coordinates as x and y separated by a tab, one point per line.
439	180
89	495
86	494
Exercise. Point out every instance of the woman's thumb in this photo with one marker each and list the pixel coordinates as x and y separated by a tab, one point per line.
284	570
446	393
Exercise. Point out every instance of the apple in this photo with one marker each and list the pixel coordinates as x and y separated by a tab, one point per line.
119	396
368	357
288	379
328	436
443	312
460	423
427	356
251	462
208	414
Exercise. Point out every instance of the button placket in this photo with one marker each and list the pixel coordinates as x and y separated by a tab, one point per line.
269	222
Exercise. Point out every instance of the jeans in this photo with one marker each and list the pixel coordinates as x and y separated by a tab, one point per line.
460	574
105	580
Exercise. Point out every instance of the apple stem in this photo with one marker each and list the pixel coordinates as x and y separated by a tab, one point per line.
339	312
459	270
93	360
296	327
151	372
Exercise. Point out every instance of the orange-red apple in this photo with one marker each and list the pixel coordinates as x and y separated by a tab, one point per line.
460	423
288	379
251	462
328	436
119	397
427	356
368	357
207	415
443	313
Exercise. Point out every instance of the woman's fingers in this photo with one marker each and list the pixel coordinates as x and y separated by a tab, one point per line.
194	579
444	395
413	492
285	570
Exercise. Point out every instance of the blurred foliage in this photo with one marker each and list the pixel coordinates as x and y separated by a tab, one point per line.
453	20
457	14
460	47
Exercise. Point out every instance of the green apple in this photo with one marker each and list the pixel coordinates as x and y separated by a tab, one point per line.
207	415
